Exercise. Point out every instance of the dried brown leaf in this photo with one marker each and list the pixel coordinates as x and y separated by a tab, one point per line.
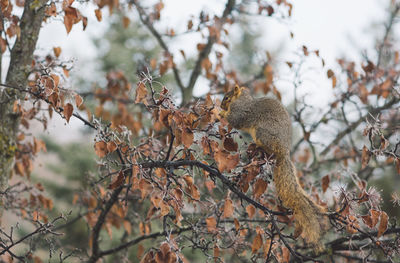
230	145
325	183
330	73
127	226
57	50
187	137
251	210
98	14
365	157
228	208
125	22
383	225
257	244
111	146
117	181
259	187
101	149
68	110
211	224
141	93
78	100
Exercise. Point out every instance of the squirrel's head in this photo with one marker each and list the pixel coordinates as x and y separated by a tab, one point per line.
231	96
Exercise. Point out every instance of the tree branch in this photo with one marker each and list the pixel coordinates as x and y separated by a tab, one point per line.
146	21
207	49
141	238
214	172
355	124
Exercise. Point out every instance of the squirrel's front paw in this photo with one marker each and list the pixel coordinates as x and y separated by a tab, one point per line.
223	114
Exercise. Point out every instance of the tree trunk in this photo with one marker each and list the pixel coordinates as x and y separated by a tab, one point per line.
17	76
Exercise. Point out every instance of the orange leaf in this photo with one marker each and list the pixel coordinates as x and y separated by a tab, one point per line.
366	155
267	247
383	224
225	161
127	226
375	216
141	93
230	145
50	10
368	221
257	244
125	21
187	137
84	22
56	79
164	208
251	210
237	224
39	145
165	248
118	181
369	67
140	251
153	63
68	110
285	254
56	50
200	47
78	100
211	224
210	185
334	81
206	64
156	200
145	187
16	106
268	74
195	192
190	24
101	149
98	14
70	18
259	187
330	73
216	252
66	72
111	147
228	208
325	183
35	215
3	45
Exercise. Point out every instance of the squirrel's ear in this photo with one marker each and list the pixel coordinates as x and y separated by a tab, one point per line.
237	89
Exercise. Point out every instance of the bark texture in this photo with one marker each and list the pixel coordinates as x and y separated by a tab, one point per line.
17	76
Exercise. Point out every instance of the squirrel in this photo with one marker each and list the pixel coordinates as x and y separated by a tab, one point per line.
268	123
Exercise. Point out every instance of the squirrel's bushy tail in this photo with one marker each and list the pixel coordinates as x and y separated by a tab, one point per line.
310	221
